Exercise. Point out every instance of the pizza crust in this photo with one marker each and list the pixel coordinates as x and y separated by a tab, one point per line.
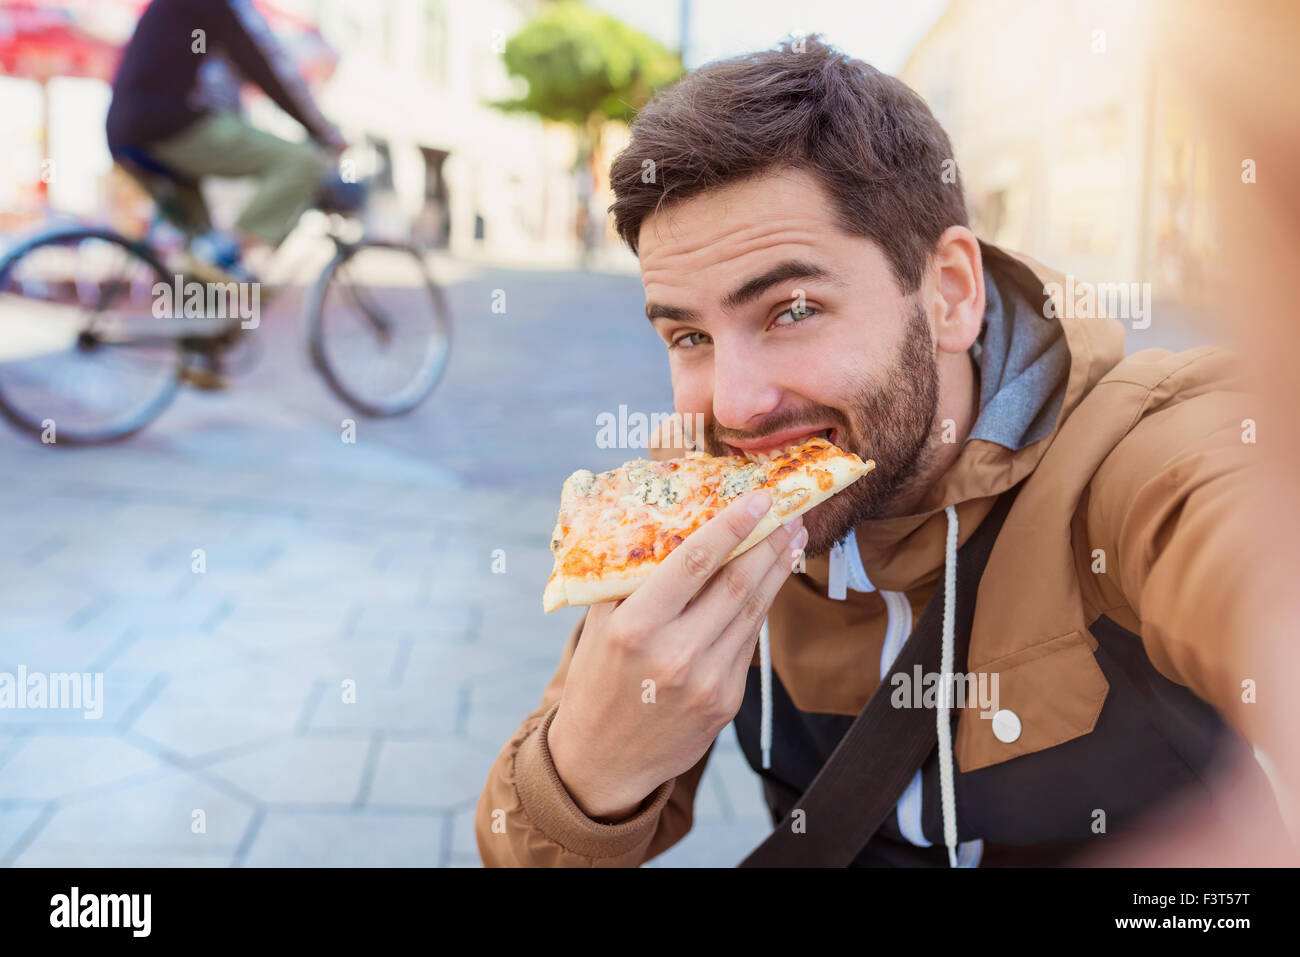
611	587
843	474
553	596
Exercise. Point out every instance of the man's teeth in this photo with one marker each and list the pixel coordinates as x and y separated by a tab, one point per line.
765	456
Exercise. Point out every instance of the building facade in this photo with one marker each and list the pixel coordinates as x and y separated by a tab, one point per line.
1073	142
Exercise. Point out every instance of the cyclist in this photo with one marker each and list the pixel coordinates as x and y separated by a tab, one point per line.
175	118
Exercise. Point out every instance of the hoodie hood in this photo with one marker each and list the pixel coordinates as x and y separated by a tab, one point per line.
1034	368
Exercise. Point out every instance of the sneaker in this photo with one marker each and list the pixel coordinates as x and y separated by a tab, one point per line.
215	257
206	377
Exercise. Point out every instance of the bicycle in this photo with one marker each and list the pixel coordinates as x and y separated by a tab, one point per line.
88	356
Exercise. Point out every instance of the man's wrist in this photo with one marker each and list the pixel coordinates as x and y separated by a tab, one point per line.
605	810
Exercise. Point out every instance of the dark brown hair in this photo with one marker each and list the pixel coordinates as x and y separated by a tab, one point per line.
869	140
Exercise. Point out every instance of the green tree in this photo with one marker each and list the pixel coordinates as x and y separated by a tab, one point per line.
584	67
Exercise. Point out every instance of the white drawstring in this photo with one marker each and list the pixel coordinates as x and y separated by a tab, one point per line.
765	687
947	793
847	571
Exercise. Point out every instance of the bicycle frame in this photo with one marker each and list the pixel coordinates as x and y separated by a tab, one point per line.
99	320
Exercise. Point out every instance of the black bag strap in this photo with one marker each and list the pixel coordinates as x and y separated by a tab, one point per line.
866	774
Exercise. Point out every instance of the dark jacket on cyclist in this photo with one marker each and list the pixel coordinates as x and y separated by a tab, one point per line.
171	72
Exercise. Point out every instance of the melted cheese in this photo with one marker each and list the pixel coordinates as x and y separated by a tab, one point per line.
637	514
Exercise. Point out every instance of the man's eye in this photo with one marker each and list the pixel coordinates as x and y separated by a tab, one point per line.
796	314
684	342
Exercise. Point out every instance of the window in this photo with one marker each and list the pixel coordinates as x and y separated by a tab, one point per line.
433	54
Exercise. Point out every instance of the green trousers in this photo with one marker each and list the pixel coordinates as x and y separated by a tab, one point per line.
222	144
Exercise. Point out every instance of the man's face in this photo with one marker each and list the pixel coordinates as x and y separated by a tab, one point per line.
781	326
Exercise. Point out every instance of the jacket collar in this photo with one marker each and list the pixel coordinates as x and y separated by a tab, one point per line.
905	552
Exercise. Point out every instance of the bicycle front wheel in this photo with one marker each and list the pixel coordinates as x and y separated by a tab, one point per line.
83	359
378	327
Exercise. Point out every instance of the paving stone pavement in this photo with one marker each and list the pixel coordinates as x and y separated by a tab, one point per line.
224	739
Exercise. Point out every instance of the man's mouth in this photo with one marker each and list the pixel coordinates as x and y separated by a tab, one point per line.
763	448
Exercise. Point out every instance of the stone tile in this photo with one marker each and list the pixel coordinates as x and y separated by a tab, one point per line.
156	814
10	741
83	857
346	839
210	731
154	611
381	706
518	689
48	766
176	653
492	727
436	774
446	620
324	560
264	685
300	770
449	660
14	823
252	600
463	842
52	648
329	661
516	625
499	703
713	844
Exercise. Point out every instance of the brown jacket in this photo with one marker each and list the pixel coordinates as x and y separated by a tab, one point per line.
1142	475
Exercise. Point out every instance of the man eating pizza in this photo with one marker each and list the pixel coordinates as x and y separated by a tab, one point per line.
806	259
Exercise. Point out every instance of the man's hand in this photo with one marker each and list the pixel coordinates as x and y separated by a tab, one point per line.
690	628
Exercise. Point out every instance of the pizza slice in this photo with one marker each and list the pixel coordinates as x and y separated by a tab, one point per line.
615	528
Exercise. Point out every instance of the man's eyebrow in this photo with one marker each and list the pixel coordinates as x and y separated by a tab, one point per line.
749	290
655	311
789	270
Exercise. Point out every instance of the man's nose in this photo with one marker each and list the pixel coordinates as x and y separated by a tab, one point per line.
743	392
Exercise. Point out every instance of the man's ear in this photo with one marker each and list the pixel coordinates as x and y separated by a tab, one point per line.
956	297
672	439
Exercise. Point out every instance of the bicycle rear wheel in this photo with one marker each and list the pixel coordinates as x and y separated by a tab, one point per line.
378	327
83	360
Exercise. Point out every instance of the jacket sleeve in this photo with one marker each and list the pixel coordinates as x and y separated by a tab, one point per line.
525	817
263	59
1174	507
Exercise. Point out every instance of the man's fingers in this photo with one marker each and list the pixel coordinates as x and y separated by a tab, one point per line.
690	566
736	643
735	590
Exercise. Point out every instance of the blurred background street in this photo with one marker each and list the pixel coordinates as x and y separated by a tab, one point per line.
325	561
240	565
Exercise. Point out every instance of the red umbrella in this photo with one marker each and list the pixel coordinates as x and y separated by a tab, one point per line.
39	41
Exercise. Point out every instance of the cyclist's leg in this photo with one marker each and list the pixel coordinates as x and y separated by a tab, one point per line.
223	144
181	204
193	209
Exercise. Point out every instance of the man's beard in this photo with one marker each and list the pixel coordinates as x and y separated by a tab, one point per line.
888	422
